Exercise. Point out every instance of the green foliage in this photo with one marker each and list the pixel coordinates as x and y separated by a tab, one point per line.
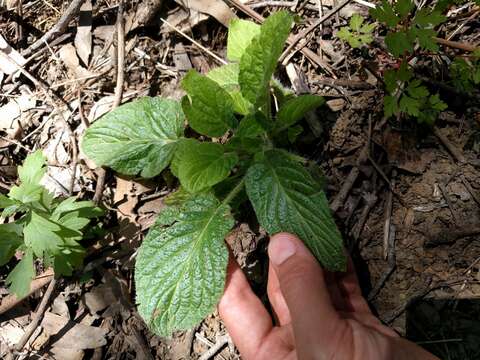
358	33
180	269
416	27
409	97
47	228
465	72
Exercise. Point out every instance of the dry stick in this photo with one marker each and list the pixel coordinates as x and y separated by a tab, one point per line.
73	140
37	317
387	224
304	33
59	27
221	342
209	52
312	56
456	153
371	200
346	187
456	219
10	301
101	172
391	263
456	44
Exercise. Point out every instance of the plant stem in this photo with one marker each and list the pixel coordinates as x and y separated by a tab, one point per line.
234	192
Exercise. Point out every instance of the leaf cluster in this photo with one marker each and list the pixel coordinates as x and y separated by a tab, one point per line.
465	73
408	26
181	266
408	96
357	33
46	228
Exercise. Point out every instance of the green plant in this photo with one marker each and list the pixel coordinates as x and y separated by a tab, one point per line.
181	265
465	73
409	29
46	228
357	33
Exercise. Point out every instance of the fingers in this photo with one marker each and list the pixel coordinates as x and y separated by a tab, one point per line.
302	283
350	289
244	315
276	298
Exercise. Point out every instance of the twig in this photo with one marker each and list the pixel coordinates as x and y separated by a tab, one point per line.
472	192
452	235
387	224
304	33
221	342
370	200
209	52
37	317
272	3
10	301
346	187
456	219
391	262
101	172
456	153
120	56
456	44
73	140
59	27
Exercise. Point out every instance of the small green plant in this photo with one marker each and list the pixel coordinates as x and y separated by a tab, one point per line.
465	73
357	33
181	265
47	228
410	30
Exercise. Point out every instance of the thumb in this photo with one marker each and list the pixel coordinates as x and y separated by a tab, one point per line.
302	283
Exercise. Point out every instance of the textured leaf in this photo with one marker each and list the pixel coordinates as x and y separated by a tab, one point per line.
33	168
41	234
390	105
409	105
425	38
138	137
356	22
210	108
227	77
398	43
21	276
180	270
259	60
403	7
240	35
10	240
385	13
424	17
295	109
286	198
26	192
202	165
416	90
249	127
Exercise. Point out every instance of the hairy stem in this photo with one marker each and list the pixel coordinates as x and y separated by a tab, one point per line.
231	195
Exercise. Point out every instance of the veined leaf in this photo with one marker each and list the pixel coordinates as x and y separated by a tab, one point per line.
33	168
398	43
295	109
202	165
404	7
385	13
138	137
240	35
180	270
356	22
21	276
259	60
286	198
227	77
208	107
249	127
41	234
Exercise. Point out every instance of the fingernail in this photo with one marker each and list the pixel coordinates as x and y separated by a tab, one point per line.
281	247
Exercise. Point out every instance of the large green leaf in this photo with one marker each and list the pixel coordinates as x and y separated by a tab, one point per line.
202	165
180	269
33	168
240	35
208	107
295	109
21	276
286	198
259	60
138	137
41	234
227	77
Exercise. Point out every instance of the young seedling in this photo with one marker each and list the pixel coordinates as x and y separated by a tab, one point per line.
46	228
409	28
357	33
181	265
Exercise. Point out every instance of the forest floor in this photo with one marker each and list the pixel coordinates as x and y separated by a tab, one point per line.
406	198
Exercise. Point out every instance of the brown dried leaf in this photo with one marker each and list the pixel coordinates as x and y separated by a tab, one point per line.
83	38
216	8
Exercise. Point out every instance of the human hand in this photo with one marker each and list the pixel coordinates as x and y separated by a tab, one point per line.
318	315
